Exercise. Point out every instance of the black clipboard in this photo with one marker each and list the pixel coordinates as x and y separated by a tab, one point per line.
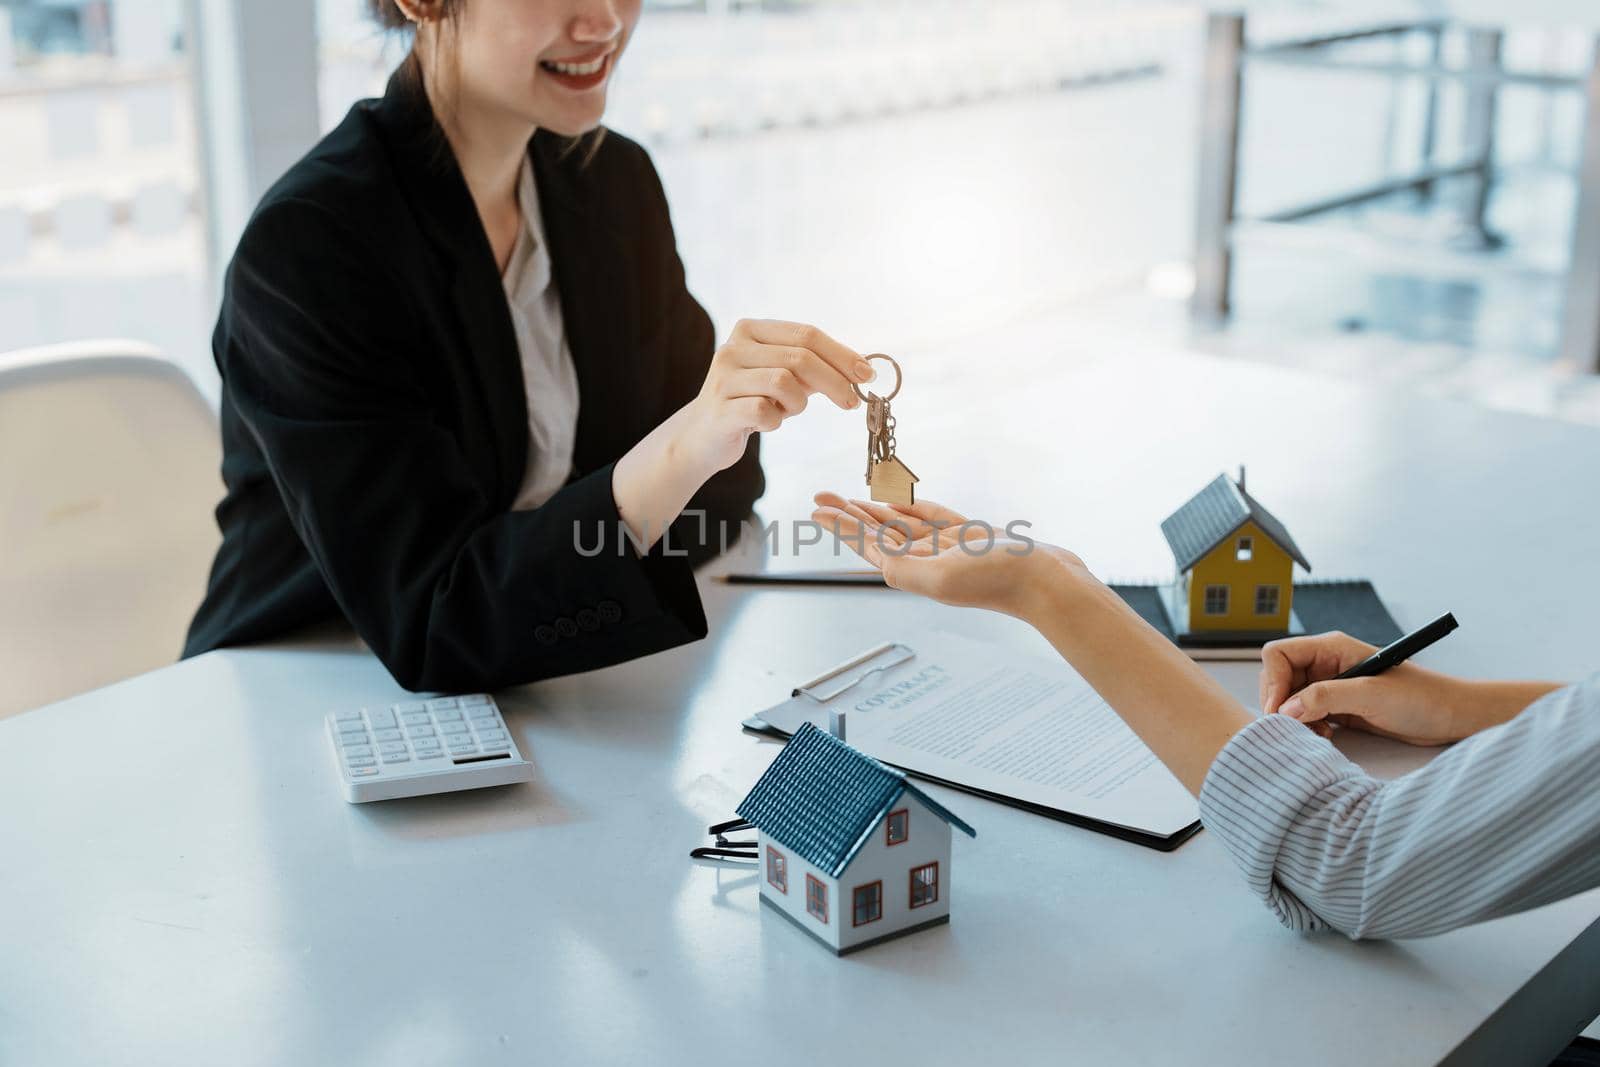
883	657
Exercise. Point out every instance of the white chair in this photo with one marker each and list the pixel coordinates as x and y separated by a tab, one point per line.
109	472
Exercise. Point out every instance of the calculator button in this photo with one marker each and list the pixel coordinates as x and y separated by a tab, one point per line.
473	701
419	731
357	750
480	711
441	703
381	718
353	739
414	716
363	772
387	735
360	761
392	746
452	728
356	727
425	742
494	748
491	735
396	757
348	716
448	715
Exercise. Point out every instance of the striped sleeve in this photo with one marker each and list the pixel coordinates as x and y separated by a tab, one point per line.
1506	820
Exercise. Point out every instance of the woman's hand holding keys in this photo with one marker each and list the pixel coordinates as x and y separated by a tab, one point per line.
766	372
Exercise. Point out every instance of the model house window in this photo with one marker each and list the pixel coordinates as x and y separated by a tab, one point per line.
1246	549
777	870
898	827
924	885
867	904
1216	600
1266	600
816	898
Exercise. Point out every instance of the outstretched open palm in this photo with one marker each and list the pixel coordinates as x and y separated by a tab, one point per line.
934	551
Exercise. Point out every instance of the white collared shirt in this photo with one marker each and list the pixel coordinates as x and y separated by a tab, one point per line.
550	381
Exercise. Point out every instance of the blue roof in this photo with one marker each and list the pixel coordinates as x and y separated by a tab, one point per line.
821	798
1215	512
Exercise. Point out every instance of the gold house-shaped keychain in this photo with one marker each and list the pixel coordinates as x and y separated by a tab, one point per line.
889	479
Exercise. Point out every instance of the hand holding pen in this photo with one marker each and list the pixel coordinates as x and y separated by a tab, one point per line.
1333	679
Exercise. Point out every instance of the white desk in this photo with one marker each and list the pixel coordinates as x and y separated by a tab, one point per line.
191	888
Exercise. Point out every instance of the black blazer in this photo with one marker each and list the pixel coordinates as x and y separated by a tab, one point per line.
375	429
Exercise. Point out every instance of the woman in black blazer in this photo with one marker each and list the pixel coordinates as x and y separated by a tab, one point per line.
375	425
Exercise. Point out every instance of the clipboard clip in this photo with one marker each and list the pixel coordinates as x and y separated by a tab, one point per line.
853	673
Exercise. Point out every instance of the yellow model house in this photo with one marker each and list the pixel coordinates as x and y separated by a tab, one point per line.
1235	564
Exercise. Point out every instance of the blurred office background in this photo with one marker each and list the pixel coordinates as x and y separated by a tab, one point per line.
898	171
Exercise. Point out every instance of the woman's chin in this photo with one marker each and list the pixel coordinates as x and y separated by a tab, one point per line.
572	125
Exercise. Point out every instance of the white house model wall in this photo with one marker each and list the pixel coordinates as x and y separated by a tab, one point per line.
927	844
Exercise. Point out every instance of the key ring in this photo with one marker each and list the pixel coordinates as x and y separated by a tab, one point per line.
892	363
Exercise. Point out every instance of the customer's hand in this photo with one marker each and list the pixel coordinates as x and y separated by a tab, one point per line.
1407	702
933	551
764	374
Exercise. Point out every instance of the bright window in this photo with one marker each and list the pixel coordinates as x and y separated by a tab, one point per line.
1266	600
1246	549
1216	600
924	885
867	904
899	827
777	870
816	898
102	233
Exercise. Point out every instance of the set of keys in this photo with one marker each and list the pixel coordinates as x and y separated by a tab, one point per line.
889	480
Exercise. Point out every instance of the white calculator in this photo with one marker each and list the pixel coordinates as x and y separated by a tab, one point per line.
424	746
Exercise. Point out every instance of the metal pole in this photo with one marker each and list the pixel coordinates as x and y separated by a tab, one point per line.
1478	136
1580	328
1219	162
1430	117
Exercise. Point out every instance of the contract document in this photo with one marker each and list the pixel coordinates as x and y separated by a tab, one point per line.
1005	725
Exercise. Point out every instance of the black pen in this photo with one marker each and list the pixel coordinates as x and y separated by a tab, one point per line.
1403	649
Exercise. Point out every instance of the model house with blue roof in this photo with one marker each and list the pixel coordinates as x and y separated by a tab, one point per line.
850	851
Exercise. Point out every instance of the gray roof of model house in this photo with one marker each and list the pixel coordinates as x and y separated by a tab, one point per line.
821	798
1215	512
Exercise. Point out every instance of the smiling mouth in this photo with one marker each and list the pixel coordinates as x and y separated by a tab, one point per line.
576	75
579	69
